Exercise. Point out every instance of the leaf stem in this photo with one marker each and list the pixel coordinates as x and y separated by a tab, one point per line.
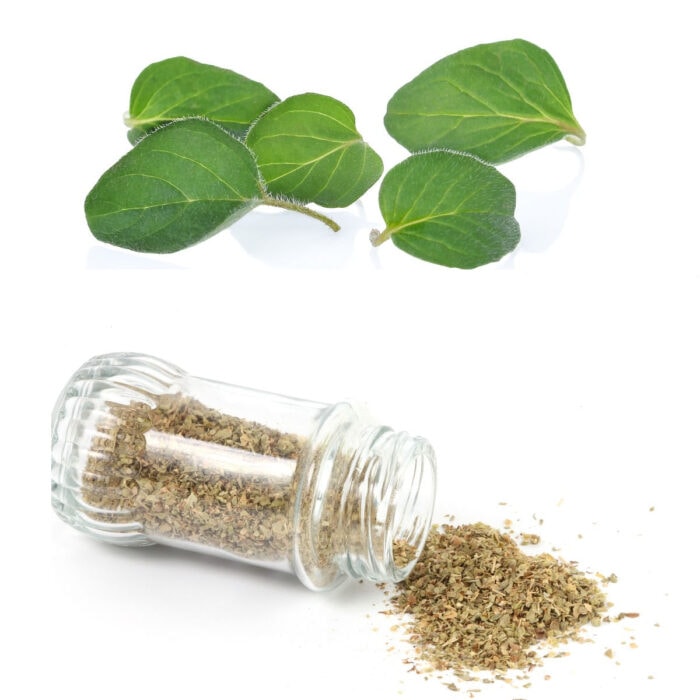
301	209
577	137
376	238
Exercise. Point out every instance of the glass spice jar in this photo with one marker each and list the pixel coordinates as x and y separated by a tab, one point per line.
143	453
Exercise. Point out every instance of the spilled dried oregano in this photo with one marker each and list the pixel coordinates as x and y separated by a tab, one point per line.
476	603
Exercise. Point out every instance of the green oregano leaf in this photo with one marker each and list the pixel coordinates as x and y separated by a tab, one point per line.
496	101
308	148
180	87
448	208
176	187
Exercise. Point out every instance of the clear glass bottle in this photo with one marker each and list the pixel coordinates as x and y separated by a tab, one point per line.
143	453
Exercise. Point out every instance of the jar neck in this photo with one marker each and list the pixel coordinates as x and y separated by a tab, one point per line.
364	501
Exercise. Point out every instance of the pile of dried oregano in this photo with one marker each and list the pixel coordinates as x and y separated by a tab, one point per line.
476	602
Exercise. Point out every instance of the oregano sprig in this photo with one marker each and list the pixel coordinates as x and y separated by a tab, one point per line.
189	177
178	186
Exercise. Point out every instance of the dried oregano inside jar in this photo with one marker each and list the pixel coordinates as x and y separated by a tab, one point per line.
143	453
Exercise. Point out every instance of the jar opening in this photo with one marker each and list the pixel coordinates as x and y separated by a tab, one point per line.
365	502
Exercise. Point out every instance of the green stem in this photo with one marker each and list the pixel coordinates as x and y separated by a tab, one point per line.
377	238
301	209
577	137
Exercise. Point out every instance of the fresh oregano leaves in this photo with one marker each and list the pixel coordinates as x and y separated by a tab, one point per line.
496	101
448	208
180	87
176	187
308	148
210	145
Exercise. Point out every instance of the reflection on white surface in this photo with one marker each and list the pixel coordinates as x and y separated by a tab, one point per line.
291	240
545	183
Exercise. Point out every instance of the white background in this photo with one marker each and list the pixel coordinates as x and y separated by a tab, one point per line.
562	381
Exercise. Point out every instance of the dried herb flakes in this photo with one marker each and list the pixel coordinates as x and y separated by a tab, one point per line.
475	602
180	493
